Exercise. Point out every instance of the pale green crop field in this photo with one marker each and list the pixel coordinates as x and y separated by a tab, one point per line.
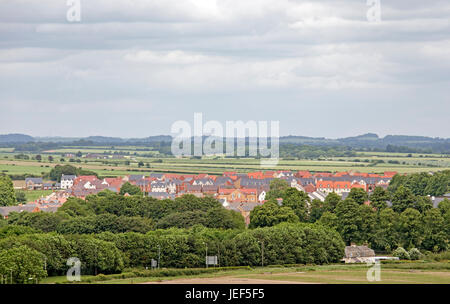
364	162
23	169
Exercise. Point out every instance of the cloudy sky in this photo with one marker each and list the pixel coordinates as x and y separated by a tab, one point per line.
131	68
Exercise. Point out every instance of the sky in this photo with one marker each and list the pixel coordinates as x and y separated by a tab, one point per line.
132	68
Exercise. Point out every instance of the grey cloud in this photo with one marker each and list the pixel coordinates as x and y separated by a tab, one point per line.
153	62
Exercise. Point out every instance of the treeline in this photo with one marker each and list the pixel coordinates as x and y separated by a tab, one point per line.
116	213
178	248
58	170
435	184
163	147
314	152
305	150
384	220
405	149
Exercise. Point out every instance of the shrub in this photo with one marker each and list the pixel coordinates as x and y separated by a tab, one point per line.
101	277
414	254
401	253
442	256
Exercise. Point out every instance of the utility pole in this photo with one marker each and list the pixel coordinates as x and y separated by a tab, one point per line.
159	254
218	254
206	256
96	259
262	252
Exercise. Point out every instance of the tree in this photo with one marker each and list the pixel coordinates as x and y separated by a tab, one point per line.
277	187
45	221
50	158
331	201
16	230
58	170
438	184
355	222
21	196
410	228
22	263
271	214
379	198
435	238
298	201
225	219
316	210
358	195
141	164
98	256
368	222
423	203
183	219
444	206
422	183
7	194
75	207
329	219
130	189
386	234
403	199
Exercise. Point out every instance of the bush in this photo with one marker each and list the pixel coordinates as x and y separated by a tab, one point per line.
414	254
442	256
401	253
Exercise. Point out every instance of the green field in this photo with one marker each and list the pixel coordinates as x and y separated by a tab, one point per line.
376	162
35	194
399	273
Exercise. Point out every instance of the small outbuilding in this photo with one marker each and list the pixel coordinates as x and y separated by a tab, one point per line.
358	254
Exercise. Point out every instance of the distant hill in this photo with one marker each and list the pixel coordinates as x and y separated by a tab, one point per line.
392	143
15	138
152	139
371	141
104	139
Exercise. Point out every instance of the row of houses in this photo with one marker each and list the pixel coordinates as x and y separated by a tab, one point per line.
230	187
37	183
49	203
236	191
240	192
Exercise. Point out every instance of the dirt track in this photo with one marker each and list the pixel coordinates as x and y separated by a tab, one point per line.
225	280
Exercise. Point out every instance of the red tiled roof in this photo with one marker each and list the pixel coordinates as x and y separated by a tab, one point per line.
255	175
249	191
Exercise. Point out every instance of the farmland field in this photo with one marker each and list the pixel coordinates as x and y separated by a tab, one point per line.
376	162
401	273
